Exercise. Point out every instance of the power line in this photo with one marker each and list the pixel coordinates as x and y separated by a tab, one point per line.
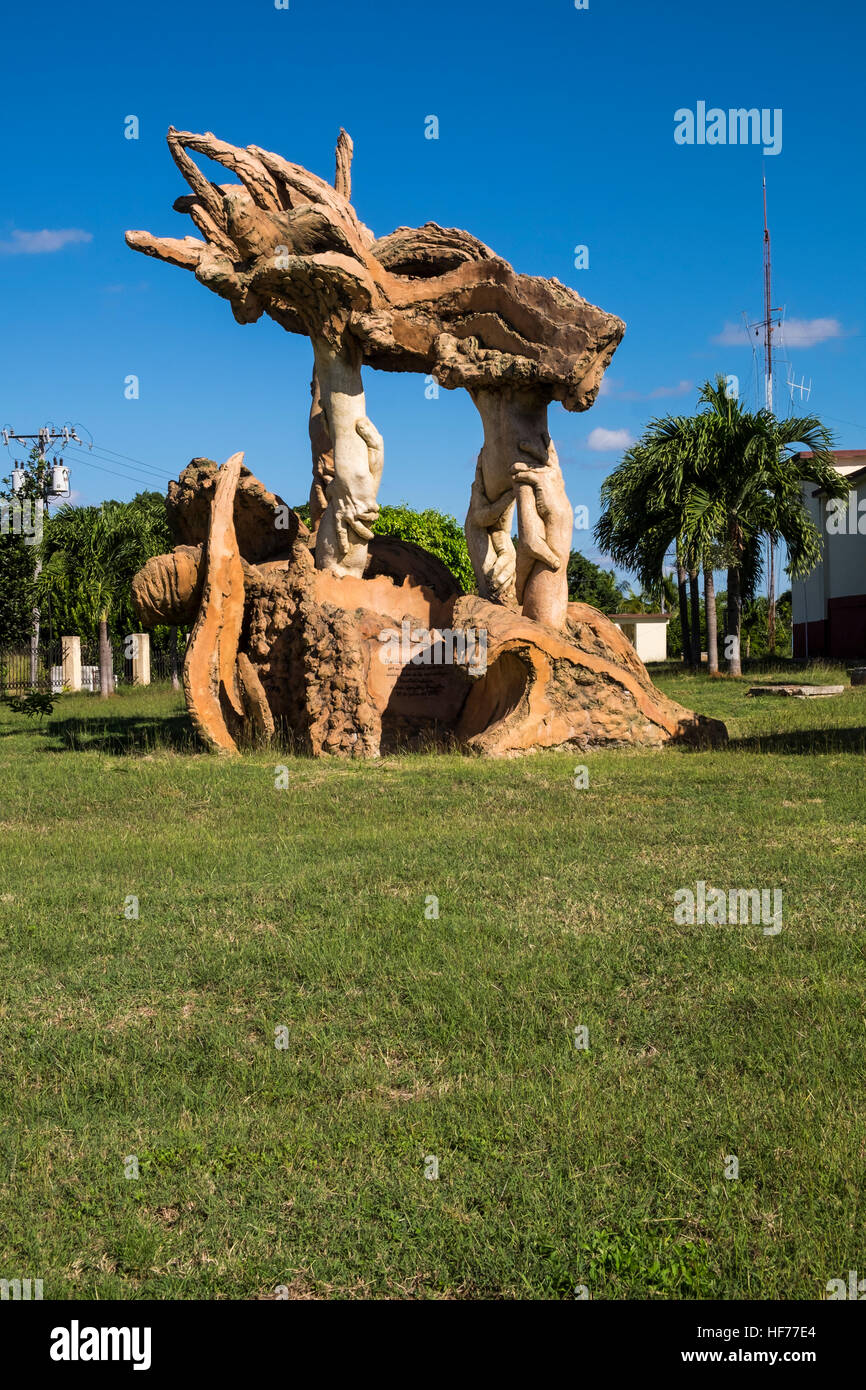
142	480
105	450
857	424
125	477
87	454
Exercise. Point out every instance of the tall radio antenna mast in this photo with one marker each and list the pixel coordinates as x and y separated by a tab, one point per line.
768	401
768	320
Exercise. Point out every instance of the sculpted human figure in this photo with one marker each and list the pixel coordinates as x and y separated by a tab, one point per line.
518	464
358	459
323	457
488	540
545	524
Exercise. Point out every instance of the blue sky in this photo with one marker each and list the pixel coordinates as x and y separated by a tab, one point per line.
556	129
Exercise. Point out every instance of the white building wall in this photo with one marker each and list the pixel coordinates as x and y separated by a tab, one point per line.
846	546
649	639
808	600
652	641
829	606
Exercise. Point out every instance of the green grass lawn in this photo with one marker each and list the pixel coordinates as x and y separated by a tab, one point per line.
410	1038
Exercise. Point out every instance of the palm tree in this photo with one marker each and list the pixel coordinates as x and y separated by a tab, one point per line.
156	539
651	598
745	486
645	511
89	555
714	484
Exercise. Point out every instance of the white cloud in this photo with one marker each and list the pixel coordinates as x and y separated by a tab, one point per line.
38	243
734	335
794	333
612	388
602	440
808	332
681	389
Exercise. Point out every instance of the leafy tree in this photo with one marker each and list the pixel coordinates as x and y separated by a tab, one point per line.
17	568
147	520
90	555
755	624
154	520
643	515
652	598
746	486
588	583
19	614
713	485
434	531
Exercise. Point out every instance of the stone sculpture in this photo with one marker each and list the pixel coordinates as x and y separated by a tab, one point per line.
289	624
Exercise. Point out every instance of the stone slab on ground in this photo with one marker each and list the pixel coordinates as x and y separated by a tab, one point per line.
799	692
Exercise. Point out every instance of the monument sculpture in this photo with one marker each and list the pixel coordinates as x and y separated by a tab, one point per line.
291	625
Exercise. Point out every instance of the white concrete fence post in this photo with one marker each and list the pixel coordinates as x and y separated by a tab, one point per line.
71	662
141	659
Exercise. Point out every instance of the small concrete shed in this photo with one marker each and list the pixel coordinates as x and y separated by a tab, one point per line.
647	632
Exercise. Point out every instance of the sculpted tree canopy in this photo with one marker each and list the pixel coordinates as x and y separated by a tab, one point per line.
283	242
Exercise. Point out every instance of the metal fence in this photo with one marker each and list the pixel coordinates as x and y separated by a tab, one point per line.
16	674
15	667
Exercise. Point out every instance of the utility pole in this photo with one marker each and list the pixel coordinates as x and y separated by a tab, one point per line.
51	486
768	401
768	322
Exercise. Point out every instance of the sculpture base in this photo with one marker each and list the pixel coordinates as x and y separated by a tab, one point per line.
365	666
399	658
